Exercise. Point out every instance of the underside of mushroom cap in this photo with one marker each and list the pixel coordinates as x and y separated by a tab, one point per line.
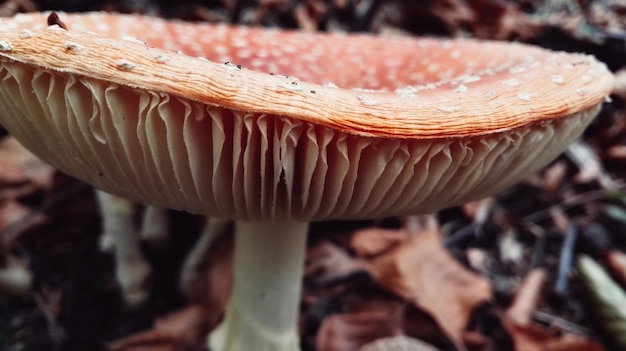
181	132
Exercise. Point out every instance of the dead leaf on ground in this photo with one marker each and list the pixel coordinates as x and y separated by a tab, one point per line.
527	297
533	338
616	261
180	331
11	212
213	284
328	264
422	271
370	242
18	166
616	152
350	331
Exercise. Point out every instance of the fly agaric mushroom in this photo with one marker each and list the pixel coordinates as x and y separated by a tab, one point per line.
132	270
438	123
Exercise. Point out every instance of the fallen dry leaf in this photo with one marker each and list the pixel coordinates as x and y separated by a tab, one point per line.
180	331
21	174
478	211
370	321
590	167
328	264
18	166
11	211
617	152
370	242
527	297
553	176
422	271
533	338
212	286
616	261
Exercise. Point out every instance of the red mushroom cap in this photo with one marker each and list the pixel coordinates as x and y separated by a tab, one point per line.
410	125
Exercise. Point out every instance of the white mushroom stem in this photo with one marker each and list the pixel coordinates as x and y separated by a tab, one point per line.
213	228
263	309
131	269
154	226
15	277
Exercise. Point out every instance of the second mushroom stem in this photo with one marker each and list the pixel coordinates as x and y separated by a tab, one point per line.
263	309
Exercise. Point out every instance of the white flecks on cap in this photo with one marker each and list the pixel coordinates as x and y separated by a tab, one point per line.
406	92
525	96
460	89
231	67
5	46
511	82
160	58
55	27
557	79
368	100
26	34
291	86
470	79
132	39
73	46
125	64
448	108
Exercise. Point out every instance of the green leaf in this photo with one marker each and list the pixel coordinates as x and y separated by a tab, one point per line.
608	298
617	213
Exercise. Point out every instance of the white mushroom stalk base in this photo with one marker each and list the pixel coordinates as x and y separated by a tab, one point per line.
263	309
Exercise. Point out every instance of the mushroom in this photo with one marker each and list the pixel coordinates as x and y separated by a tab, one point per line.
370	127
132	270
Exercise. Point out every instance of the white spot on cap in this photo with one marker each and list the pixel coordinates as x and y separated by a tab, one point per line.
132	39
470	79
525	97
55	27
580	91
518	69
160	58
495	104
558	79
586	78
366	100
125	64
5	46
292	86
448	108
73	46
231	67
331	85
511	82
490	93
407	92
460	89
26	34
